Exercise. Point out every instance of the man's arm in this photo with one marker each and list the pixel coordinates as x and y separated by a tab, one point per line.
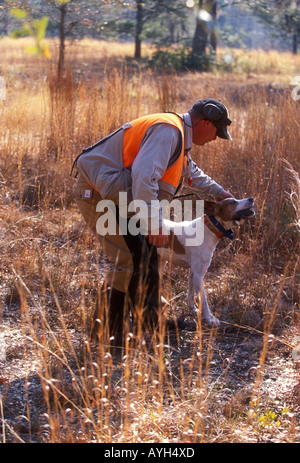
205	186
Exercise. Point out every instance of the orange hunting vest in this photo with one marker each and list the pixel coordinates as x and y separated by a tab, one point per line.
133	137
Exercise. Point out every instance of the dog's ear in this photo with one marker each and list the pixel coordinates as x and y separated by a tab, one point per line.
210	208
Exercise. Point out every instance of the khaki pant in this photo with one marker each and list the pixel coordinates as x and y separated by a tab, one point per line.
114	246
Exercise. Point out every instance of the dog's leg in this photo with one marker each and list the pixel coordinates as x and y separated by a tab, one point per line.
209	318
203	306
191	296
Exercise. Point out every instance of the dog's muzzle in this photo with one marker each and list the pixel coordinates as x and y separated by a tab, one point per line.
245	213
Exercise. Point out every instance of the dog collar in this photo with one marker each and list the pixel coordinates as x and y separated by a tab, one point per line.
214	225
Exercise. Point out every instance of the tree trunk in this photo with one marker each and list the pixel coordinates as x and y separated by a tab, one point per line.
213	35
200	38
5	16
62	37
138	29
295	43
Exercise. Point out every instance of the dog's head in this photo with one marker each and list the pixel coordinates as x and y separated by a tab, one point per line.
230	211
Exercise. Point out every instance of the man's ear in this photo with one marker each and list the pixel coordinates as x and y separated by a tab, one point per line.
211	208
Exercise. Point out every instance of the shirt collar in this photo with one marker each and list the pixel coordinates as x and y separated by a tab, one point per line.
188	131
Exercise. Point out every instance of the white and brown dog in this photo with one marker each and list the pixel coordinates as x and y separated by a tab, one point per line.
217	222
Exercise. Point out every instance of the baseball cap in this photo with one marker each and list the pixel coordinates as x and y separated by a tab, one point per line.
217	113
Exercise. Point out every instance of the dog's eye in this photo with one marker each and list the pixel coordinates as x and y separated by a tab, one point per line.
233	201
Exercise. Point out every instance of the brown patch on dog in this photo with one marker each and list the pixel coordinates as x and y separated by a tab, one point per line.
174	244
224	209
210	207
227	209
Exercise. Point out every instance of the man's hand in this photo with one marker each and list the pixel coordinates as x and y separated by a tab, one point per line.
160	240
225	194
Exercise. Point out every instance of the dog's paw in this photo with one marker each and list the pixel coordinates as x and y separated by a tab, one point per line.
212	321
193	311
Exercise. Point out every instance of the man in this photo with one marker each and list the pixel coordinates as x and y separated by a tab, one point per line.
147	159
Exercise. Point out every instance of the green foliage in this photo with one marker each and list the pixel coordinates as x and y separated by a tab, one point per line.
62	2
18	14
36	28
231	39
267	418
180	59
40	26
125	27
24	32
282	15
172	58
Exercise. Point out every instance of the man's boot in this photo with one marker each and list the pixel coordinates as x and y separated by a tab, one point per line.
116	322
109	316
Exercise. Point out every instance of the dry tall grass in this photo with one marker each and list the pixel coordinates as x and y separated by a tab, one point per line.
196	386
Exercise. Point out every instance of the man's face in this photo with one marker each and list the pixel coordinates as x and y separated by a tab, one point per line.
203	132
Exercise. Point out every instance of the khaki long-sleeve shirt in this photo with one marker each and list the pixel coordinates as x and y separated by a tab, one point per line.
102	165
